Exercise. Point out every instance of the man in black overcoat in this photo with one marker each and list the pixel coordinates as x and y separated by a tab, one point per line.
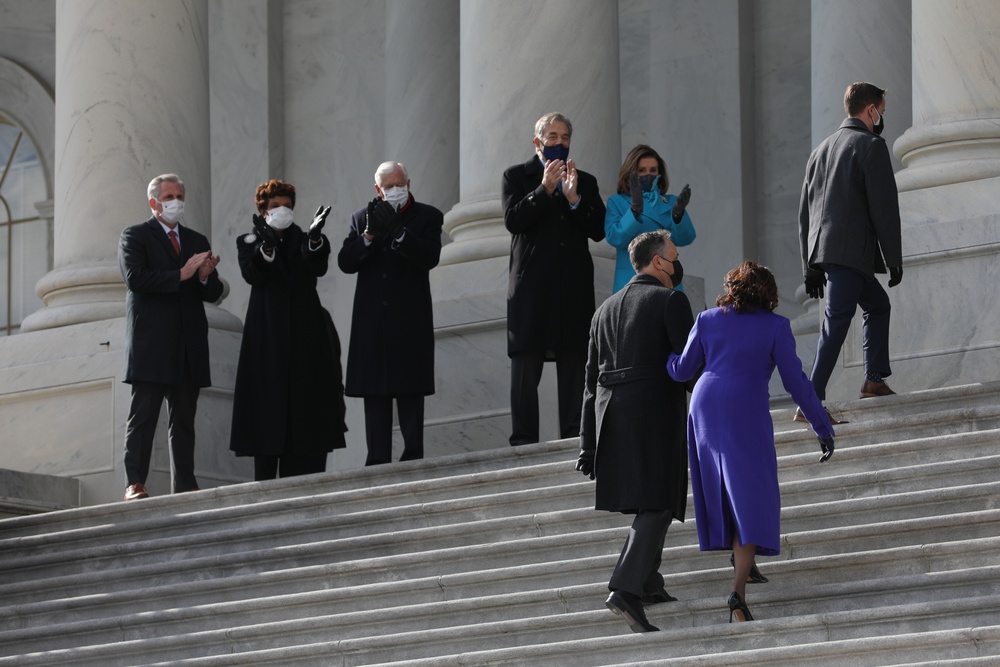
169	271
392	245
849	230
550	208
634	419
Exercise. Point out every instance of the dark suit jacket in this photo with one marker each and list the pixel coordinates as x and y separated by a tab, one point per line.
634	415
550	291
166	331
849	208
391	350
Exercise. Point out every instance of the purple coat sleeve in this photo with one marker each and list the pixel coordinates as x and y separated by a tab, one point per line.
795	382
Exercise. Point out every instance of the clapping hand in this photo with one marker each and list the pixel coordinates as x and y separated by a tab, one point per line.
386	220
569	182
265	232
207	266
635	190
372	222
682	201
316	228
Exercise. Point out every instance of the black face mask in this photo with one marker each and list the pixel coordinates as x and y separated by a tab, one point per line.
877	129
678	273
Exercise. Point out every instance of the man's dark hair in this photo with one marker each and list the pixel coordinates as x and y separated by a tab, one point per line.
645	247
860	95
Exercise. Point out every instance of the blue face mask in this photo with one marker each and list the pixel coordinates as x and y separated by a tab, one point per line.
557	152
648	181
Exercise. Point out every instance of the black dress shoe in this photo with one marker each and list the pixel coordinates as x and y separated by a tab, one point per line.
630	610
657	597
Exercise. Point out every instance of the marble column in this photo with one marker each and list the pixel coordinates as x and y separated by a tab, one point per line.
854	40
422	97
519	60
945	329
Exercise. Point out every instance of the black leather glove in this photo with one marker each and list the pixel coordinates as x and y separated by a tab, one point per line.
682	201
814	284
635	189
316	228
585	463
373	223
265	232
387	220
895	275
826	444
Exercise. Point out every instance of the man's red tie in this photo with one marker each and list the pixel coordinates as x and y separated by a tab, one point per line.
173	240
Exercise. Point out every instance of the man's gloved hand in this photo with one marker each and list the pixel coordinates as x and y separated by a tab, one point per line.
682	201
895	275
814	284
316	228
585	463
635	190
265	232
388	220
374	226
826	444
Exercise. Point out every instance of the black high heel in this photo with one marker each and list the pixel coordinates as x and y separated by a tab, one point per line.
755	577
739	607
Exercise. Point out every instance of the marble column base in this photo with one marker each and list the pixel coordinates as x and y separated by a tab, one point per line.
63	409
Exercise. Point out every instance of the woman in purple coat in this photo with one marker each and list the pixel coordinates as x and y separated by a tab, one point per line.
734	467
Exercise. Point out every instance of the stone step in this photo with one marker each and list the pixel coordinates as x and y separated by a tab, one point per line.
691	574
572	632
313	520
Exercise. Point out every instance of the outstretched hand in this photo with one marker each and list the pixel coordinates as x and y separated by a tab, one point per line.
682	201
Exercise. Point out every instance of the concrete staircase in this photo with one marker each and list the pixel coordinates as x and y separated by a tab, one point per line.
890	557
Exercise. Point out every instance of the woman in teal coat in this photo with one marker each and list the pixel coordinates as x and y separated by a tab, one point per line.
643	205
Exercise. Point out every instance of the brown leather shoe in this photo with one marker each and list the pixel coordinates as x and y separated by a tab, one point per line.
872	389
799	417
135	492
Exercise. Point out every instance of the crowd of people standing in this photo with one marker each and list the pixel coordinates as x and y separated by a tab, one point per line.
633	360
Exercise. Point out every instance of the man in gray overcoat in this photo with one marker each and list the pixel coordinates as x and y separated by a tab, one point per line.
849	230
633	425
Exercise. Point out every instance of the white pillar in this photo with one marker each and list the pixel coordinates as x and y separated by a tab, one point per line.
566	61
421	95
945	327
132	103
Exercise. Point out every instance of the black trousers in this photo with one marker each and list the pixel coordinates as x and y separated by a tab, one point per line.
272	467
638	566
378	427
525	374
144	410
847	289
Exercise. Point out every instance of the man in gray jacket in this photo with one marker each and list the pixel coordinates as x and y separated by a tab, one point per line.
849	230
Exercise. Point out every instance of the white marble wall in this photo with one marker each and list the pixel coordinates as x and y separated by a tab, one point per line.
247	123
28	36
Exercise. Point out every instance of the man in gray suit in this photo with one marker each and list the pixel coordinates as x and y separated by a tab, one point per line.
634	419
849	230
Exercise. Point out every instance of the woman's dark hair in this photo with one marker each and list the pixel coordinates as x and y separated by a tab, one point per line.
271	189
749	287
631	164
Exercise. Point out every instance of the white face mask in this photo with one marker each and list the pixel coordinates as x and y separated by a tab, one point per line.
172	210
396	196
279	218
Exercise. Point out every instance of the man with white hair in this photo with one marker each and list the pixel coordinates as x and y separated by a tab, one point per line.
169	270
392	245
